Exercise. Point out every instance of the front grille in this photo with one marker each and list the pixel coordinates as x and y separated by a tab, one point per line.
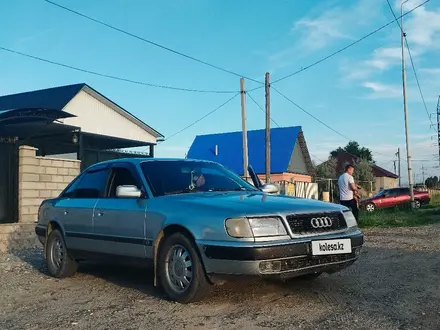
310	261
301	224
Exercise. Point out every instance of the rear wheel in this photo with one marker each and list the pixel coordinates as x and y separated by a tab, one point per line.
417	204
370	207
58	261
180	270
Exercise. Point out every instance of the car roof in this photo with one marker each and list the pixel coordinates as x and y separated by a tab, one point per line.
136	160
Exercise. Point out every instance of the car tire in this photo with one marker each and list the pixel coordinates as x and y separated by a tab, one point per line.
370	207
58	261
180	270
417	204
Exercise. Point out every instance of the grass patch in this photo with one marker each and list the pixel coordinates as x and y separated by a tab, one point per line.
398	218
435	202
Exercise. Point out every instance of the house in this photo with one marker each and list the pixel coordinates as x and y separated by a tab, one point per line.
289	156
383	178
47	137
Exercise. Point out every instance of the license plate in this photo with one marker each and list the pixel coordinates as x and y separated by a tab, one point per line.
331	246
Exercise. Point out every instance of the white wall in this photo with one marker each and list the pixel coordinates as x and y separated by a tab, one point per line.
93	116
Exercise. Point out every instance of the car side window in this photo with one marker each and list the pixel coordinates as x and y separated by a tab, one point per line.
393	193
404	191
91	185
122	176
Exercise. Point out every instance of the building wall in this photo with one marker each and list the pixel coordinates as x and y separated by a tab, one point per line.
93	116
385	182
39	178
297	163
286	177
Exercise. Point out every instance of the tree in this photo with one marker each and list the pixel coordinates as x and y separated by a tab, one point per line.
363	175
432	182
353	148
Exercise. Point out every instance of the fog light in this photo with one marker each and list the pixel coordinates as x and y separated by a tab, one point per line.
357	252
270	267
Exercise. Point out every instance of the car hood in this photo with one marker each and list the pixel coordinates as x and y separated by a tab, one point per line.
254	203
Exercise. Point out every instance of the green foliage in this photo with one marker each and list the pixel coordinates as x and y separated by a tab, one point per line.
396	218
432	182
363	175
353	148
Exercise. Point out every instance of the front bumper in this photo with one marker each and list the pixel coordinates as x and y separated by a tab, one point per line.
283	260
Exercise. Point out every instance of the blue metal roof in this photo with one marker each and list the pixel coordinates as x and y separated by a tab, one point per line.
51	98
230	149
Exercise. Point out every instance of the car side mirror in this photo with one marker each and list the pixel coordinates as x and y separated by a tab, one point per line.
269	188
128	191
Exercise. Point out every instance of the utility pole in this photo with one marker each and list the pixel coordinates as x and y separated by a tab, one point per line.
423	174
267	85
405	108
398	161
244	130
438	128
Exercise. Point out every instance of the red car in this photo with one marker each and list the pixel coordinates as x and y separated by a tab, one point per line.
394	197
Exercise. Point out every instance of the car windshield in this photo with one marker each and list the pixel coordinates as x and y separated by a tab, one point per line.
168	177
379	194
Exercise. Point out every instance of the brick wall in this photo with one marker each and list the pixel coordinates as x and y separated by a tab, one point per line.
40	178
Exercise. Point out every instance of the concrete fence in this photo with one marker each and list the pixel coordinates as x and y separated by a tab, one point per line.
39	178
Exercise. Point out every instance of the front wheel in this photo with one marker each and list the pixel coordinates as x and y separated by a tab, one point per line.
58	261
180	270
370	207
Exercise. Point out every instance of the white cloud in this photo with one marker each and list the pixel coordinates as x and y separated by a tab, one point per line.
379	90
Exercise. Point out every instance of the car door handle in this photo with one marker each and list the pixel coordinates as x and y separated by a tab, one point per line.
100	214
65	212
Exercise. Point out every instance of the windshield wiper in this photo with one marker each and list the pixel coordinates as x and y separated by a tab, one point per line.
182	191
229	189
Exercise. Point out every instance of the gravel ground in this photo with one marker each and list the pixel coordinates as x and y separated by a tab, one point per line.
394	285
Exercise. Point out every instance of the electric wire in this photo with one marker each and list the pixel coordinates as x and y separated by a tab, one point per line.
203	117
148	41
346	47
137	82
412	64
261	108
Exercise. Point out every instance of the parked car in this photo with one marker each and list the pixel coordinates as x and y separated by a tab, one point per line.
197	222
395	197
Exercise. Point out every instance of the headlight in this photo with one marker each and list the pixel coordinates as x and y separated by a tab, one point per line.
350	219
255	227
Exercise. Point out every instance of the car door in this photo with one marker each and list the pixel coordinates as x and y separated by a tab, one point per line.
75	208
119	222
389	199
403	197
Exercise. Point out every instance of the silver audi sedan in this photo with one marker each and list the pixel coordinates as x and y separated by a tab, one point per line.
197	224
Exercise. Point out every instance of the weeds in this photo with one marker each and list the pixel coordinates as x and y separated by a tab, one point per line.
399	218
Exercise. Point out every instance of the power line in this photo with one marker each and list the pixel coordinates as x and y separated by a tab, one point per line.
200	119
148	41
346	47
412	64
261	108
114	77
311	115
276	124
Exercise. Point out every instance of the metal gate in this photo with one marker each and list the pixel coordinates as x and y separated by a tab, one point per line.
8	182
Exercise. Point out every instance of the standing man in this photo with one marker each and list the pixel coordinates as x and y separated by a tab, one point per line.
348	191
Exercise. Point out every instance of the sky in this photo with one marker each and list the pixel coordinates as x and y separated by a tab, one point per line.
357	92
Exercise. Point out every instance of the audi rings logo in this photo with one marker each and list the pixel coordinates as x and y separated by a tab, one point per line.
323	222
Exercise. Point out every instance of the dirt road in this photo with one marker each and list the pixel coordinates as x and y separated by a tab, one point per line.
395	285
